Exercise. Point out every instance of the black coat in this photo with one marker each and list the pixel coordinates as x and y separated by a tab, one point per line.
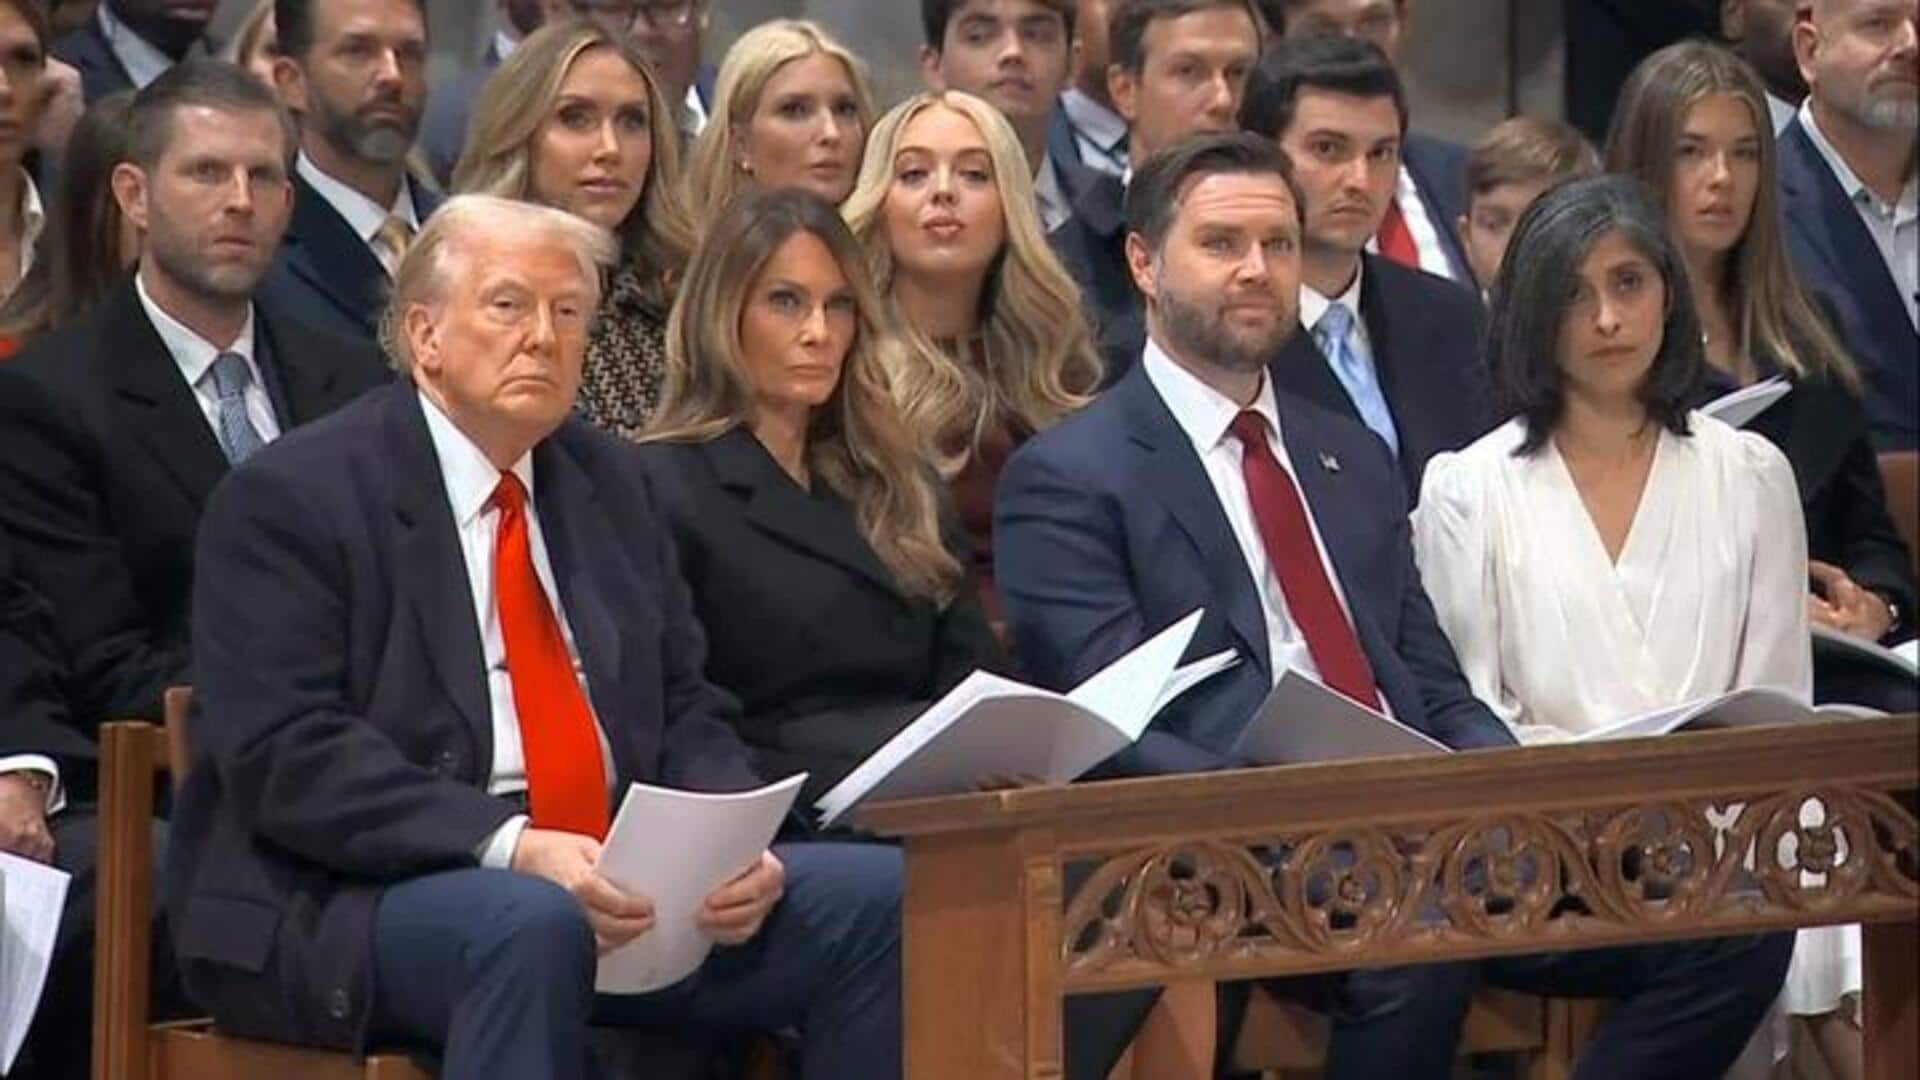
33	708
106	461
805	624
325	274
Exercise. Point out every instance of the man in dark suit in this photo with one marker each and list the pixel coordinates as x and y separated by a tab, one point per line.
128	43
1397	349
113	431
1417	230
1196	482
434	634
1178	67
1848	190
1084	130
355	207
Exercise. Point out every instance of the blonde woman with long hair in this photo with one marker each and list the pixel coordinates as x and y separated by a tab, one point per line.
574	119
809	528
791	108
997	347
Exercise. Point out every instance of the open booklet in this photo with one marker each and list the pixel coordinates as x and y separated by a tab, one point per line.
1738	408
1303	720
675	848
31	896
1753	707
989	726
1899	661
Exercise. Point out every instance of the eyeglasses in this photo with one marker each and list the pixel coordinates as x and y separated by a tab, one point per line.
660	14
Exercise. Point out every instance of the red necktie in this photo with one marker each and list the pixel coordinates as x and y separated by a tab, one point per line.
1395	239
1288	538
566	782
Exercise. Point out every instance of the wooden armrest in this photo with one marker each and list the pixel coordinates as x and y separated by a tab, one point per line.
130	755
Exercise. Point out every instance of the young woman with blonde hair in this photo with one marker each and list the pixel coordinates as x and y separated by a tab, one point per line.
574	119
997	346
791	108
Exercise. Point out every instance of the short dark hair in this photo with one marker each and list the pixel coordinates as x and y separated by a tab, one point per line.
203	83
936	14
1535	290
1153	198
293	21
1329	62
1128	25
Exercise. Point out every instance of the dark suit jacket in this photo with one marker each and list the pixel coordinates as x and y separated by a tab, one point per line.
326	274
1439	170
443	127
1093	246
33	708
1425	334
1108	531
344	739
105	465
86	48
805	624
1839	262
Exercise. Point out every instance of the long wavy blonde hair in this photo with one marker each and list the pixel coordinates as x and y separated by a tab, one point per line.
657	235
714	178
1038	352
857	442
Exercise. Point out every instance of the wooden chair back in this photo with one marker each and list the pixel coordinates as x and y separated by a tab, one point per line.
1900	472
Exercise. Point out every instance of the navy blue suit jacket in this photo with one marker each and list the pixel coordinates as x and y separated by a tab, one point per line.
1107	531
101	72
1839	262
344	740
34	718
325	274
1092	244
1439	171
1425	334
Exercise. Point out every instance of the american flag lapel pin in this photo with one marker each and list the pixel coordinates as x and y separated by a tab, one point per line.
1329	462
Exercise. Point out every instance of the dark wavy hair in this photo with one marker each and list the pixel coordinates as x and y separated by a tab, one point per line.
1534	293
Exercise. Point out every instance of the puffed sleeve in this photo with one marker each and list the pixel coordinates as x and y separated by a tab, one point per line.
1776	648
1452	544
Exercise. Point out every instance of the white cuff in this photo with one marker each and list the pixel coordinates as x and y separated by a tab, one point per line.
39	763
497	852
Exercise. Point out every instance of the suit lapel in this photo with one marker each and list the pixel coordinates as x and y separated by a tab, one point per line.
160	408
579	546
1820	211
776	506
1175	477
324	251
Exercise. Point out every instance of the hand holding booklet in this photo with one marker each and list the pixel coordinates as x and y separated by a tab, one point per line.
990	726
1738	408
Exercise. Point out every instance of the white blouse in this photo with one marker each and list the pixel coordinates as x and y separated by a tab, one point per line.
1708	595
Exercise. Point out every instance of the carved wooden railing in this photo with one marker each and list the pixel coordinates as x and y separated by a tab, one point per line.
1381	863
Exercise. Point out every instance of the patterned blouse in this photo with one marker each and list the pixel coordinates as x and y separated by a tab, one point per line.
626	366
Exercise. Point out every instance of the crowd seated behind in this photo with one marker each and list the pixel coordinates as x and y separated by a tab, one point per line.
616	407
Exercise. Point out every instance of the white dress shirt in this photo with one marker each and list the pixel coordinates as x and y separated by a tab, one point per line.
1895	228
1097	132
1426	231
693	113
1205	414
504	44
143	61
363	215
194	355
1781	112
470	481
33	222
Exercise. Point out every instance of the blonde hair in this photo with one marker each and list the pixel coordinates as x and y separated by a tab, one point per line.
656	237
1774	316
1040	361
246	36
425	274
857	442
713	176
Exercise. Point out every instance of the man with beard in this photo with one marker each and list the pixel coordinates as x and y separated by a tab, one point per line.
1761	31
1849	192
356	72
114	430
128	43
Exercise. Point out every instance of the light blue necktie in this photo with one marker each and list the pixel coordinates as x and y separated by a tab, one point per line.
238	437
1334	334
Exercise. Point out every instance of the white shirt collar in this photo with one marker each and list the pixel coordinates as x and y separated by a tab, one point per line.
1090	118
693	112
1202	412
1055	208
1313	306
143	61
469	477
361	213
504	44
193	353
1781	111
33	222
1850	181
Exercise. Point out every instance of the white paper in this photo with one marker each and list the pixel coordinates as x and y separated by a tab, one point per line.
33	896
990	726
676	848
1908	651
1737	409
1303	720
1752	707
1906	663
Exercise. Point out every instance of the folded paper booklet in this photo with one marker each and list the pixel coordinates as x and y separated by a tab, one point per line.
1303	720
675	848
32	896
989	726
1754	707
1737	409
1898	661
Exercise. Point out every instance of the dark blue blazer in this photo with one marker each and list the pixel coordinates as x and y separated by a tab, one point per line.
1425	333
1839	262
343	739
1439	171
34	718
1092	244
1107	530
325	274
86	48
443	127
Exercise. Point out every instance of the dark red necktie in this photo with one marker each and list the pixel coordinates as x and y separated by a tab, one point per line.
1395	239
566	781
1288	537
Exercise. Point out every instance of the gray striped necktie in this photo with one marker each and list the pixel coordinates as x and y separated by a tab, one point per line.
238	437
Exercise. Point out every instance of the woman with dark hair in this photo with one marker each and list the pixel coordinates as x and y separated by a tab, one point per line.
23	62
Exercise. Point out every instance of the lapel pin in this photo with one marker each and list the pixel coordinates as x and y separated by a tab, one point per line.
1329	462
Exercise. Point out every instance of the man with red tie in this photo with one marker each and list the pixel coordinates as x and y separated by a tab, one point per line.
441	632
1196	482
